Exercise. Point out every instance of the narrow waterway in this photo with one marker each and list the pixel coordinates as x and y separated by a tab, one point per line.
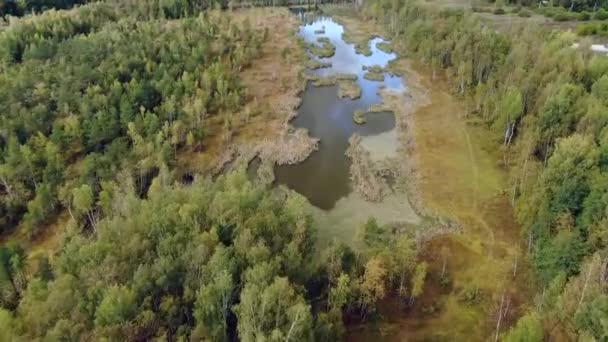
324	177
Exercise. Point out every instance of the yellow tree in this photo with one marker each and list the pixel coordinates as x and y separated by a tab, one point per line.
373	284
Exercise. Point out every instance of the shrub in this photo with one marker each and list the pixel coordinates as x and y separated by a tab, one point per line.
524	13
583	16
499	11
515	10
586	29
550	11
601	14
478	9
564	16
559	14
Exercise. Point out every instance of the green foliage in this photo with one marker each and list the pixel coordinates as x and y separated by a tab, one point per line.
593	318
23	7
117	307
550	98
109	85
524	13
183	252
284	314
528	329
601	14
6	325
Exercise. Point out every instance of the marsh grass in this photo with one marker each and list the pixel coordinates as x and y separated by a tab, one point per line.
349	89
385	47
374	68
325	50
359	117
314	64
374	76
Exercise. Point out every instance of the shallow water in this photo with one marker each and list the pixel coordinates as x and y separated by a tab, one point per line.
324	177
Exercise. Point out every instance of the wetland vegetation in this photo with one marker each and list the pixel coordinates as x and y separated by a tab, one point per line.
220	171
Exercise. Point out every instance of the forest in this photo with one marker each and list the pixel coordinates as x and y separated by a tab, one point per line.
98	102
100	99
547	104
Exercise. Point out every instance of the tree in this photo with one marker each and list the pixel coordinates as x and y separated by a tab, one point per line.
373	284
213	304
404	254
529	328
339	295
418	281
593	318
83	203
272	311
117	306
510	109
372	235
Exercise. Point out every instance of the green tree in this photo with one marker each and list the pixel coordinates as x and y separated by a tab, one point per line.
273	311
117	306
418	281
213	305
83	203
529	328
593	318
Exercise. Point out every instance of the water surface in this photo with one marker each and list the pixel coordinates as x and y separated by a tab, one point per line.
324	177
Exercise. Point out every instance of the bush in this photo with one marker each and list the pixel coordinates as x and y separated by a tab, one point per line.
478	9
550	11
559	14
515	10
592	29
499	11
601	14
524	13
564	16
586	30
583	16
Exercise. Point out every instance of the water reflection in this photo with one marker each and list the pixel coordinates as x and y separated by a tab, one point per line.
324	177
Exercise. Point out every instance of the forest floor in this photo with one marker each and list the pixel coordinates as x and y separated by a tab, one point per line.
461	177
